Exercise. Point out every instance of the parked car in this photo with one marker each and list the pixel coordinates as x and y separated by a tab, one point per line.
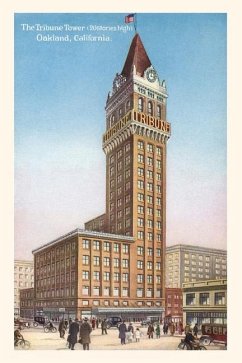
113	321
214	333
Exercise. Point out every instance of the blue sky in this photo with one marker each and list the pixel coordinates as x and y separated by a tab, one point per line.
60	94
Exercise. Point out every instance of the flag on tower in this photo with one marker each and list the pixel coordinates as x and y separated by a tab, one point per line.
129	18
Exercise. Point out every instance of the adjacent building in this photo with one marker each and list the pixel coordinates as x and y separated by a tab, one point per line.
119	259
23	278
27	303
186	263
174	305
205	302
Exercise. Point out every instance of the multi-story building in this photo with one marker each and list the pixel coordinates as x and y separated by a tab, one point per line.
27	303
135	220
185	263
205	302
173	306
23	278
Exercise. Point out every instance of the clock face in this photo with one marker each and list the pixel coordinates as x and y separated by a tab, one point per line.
151	75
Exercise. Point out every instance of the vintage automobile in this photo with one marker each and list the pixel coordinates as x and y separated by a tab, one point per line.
21	323
214	333
113	321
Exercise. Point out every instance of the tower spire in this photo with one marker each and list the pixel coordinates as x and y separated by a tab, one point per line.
137	57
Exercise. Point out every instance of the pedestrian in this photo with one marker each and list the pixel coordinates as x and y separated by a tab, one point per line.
187	328
73	331
62	329
97	323
172	328
66	324
150	331
93	323
137	335
195	330
122	332
157	330
180	328
104	326
130	333
85	331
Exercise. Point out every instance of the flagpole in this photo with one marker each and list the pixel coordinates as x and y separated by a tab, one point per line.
135	23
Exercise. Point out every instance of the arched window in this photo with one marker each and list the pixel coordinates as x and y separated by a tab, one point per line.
112	119
150	108
140	104
128	104
120	112
158	111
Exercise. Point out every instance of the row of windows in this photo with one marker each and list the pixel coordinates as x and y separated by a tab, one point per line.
23	284
149	265
56	293
150	211
119	113
140	279
59	278
119	303
149	147
149	186
141	198
150	223
119	153
205	298
106	261
58	251
22	276
150	236
106	246
106	276
23	269
149	107
56	265
149	160
106	291
150	173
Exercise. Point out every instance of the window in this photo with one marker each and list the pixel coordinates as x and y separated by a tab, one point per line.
158	176
116	262
119	214
158	279
158	266
96	245
115	291
140	184
119	166
127	160
150	211
219	298
85	290
158	252
149	174
116	276
127	222
116	247
140	209
111	159
139	264
125	277
158	164
158	111
127	198
149	292
85	260
204	298
119	153
106	261
119	202
106	246
139	292
190	299
149	265
106	276
140	197
149	161
150	223
112	183
125	291
125	263
158	188
150	251
140	222
158	225
140	235
127	173
140	251
85	275
150	236
150	187
140	104
139	278
96	275
158	201
106	290
119	178
150	148
149	199
140	171
125	248
150	108
149	279
140	158
85	244
127	146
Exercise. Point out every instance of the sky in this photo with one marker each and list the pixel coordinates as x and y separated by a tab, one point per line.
60	94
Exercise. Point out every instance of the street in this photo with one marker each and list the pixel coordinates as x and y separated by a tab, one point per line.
42	341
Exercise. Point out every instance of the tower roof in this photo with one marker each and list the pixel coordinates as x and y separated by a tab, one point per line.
136	56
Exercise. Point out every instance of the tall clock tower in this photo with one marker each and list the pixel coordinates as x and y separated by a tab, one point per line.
135	146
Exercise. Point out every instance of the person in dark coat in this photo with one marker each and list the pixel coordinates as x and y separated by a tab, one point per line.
150	331
93	323
66	324
85	331
62	329
104	326
122	332
97	323
73	331
195	330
